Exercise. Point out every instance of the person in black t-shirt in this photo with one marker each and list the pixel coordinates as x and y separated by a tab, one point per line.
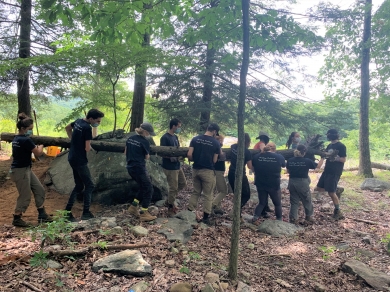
333	170
171	166
220	182
21	174
204	151
267	167
137	151
80	133
299	183
245	190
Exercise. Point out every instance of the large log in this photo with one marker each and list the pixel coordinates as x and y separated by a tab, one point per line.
164	151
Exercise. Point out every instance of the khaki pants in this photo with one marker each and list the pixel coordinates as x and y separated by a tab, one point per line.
300	192
203	181
26	182
176	182
222	188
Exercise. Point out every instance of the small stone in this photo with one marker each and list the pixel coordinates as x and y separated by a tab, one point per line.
115	289
53	265
181	287
174	250
215	286
343	246
170	263
326	208
367	239
226	224
224	285
242	287
365	252
139	231
251	246
319	287
116	230
212	278
160	203
153	210
53	247
208	288
184	252
140	287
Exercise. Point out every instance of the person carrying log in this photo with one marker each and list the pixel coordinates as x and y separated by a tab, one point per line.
299	183
171	166
333	170
80	135
137	151
204	151
267	167
22	175
221	186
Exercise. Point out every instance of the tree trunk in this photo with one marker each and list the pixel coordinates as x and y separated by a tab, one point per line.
102	145
207	90
364	145
138	104
23	83
235	239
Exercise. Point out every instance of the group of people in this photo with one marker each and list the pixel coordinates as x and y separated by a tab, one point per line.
208	171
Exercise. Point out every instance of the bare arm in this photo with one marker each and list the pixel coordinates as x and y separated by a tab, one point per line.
69	131
249	164
88	145
190	152
125	150
147	156
343	159
320	163
38	150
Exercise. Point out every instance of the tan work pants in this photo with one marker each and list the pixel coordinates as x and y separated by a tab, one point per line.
176	182
221	186
26	182
203	181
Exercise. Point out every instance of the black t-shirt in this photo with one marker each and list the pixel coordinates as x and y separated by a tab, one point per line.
204	149
82	132
335	167
233	157
21	151
220	165
137	147
170	140
267	167
298	167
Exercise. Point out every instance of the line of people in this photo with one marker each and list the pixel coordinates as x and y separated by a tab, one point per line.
207	171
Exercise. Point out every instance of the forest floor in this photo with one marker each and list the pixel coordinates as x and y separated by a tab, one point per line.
312	258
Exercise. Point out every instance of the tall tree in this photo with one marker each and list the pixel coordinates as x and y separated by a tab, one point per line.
364	144
235	239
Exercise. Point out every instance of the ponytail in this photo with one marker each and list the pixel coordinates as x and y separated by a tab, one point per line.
290	140
300	151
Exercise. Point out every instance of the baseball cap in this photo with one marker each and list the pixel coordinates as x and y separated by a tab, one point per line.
261	133
332	132
148	127
213	127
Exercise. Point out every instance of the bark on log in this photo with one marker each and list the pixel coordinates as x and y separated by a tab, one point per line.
373	165
164	151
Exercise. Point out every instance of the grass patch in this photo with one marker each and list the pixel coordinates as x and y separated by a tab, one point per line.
353	199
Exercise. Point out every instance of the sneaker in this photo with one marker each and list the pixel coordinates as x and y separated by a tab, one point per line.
43	217
146	216
309	220
19	222
71	218
339	191
338	215
87	215
294	221
217	210
265	215
172	211
133	210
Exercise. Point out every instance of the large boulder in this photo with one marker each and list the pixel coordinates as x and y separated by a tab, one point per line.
278	228
376	185
113	184
373	277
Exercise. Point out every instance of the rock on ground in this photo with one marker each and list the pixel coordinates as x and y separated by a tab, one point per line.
208	288
188	216
181	287
53	265
139	287
127	262
113	185
212	278
242	287
175	229
373	184
139	231
96	223
278	228
373	277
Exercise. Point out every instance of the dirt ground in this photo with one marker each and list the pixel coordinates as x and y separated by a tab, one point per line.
310	260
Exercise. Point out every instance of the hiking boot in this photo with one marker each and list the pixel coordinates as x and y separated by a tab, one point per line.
172	211
43	217
265	215
70	217
309	220
294	221
217	210
338	215
339	191
87	215
19	222
146	216
208	222
133	210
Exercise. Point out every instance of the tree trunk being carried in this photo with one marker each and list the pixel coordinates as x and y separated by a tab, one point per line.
165	151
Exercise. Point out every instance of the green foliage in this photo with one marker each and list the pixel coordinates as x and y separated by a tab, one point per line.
101	244
39	259
184	269
194	255
327	251
58	230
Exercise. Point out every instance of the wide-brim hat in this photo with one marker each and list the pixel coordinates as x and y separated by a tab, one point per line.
261	133
148	127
